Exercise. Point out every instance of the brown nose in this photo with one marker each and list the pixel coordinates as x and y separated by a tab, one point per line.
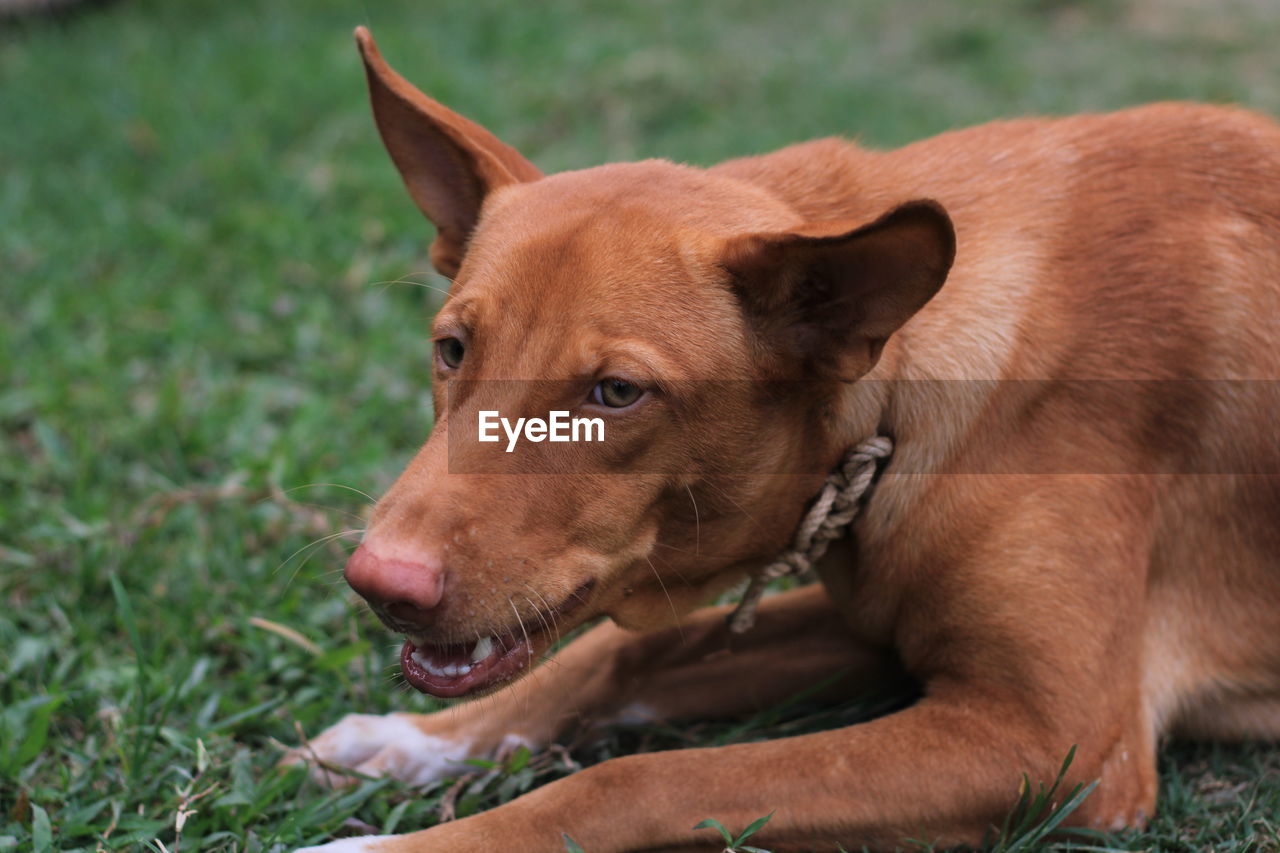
407	590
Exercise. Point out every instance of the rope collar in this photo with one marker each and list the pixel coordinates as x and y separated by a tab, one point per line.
834	509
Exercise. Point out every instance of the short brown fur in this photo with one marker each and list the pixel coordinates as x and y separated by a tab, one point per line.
1056	562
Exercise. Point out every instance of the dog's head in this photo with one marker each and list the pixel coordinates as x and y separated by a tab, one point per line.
697	317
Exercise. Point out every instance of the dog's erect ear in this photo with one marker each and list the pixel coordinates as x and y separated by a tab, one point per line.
824	298
448	163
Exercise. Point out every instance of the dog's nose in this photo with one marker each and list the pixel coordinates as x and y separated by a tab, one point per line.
407	590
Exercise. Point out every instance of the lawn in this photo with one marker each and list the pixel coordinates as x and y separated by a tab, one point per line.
203	363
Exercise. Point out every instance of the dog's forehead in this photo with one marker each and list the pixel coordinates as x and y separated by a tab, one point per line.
625	251
555	304
583	265
630	230
568	264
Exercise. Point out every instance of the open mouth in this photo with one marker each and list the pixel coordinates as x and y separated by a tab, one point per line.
450	671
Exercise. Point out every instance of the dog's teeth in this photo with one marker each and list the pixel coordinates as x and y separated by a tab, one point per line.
444	670
482	650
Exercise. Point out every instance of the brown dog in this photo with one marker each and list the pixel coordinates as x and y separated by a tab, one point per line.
1076	542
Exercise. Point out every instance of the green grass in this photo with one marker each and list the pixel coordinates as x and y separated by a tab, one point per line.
196	219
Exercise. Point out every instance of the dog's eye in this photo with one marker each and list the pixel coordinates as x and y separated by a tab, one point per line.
451	351
616	393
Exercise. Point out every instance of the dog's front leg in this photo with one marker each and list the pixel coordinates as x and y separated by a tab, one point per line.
698	669
943	770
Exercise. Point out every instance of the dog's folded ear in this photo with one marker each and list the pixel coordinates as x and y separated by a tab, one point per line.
449	163
825	298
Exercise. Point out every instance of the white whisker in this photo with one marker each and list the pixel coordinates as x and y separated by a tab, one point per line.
670	603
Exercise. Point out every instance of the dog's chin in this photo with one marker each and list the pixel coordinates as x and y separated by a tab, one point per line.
652	606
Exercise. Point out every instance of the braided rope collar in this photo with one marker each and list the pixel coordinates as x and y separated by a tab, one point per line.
835	508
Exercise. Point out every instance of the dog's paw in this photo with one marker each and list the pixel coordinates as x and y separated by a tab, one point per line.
373	745
360	844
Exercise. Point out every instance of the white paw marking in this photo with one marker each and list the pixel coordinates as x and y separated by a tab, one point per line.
363	844
386	746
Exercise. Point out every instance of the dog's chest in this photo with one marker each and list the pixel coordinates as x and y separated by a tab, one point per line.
868	607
